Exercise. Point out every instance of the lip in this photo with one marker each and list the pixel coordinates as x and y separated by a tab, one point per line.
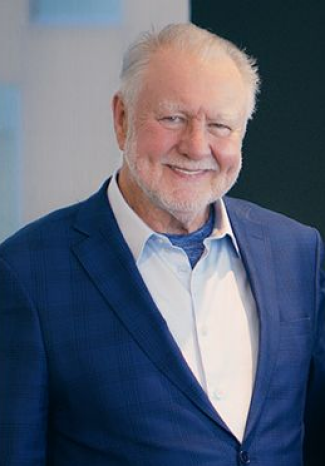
188	173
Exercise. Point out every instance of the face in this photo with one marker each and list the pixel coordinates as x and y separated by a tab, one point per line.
182	142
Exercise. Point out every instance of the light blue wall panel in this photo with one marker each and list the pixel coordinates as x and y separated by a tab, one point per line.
9	160
76	12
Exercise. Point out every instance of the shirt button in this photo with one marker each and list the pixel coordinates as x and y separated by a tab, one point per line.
182	269
244	457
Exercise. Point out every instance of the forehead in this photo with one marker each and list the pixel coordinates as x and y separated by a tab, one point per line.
180	78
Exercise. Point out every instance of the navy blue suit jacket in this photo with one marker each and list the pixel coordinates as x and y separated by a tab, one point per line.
91	376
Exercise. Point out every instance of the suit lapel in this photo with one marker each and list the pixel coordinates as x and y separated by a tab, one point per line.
256	253
103	253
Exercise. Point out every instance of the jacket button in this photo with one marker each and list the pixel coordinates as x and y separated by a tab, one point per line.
244	457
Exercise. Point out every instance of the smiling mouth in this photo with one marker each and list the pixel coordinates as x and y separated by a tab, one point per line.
187	171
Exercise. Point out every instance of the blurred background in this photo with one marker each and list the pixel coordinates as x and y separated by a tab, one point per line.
284	149
59	67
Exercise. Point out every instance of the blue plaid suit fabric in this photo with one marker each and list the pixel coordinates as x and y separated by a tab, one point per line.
91	376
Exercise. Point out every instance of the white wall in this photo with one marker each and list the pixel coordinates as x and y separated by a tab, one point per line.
67	78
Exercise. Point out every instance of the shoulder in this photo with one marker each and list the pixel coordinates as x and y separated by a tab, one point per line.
283	234
49	225
265	217
295	248
38	244
52	232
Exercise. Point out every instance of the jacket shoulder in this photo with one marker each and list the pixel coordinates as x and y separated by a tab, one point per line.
49	226
56	226
267	217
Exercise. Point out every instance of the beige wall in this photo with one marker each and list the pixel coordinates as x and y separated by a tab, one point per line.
67	78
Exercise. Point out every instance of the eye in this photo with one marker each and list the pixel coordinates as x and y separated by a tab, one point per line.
220	129
172	120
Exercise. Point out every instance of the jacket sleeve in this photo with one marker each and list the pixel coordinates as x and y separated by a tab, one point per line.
23	377
315	403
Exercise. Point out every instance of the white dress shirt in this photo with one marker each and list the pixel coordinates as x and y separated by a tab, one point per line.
210	310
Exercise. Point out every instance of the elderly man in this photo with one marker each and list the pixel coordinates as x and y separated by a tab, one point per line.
160	322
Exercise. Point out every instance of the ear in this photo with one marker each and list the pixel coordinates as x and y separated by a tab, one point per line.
120	120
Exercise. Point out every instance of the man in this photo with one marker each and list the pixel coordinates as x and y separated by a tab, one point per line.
160	322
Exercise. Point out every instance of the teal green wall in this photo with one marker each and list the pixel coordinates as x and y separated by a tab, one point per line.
284	150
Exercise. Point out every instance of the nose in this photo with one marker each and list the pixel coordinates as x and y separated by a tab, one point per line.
194	141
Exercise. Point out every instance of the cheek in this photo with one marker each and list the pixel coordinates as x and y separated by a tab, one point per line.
153	142
228	155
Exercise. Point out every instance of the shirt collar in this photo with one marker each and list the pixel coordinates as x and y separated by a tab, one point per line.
222	226
136	232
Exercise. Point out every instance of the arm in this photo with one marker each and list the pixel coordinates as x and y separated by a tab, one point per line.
315	404
23	377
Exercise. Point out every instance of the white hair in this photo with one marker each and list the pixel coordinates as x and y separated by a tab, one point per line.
192	39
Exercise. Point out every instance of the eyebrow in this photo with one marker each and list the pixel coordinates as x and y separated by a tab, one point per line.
178	107
171	106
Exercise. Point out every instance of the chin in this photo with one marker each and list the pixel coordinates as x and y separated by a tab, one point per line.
183	206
